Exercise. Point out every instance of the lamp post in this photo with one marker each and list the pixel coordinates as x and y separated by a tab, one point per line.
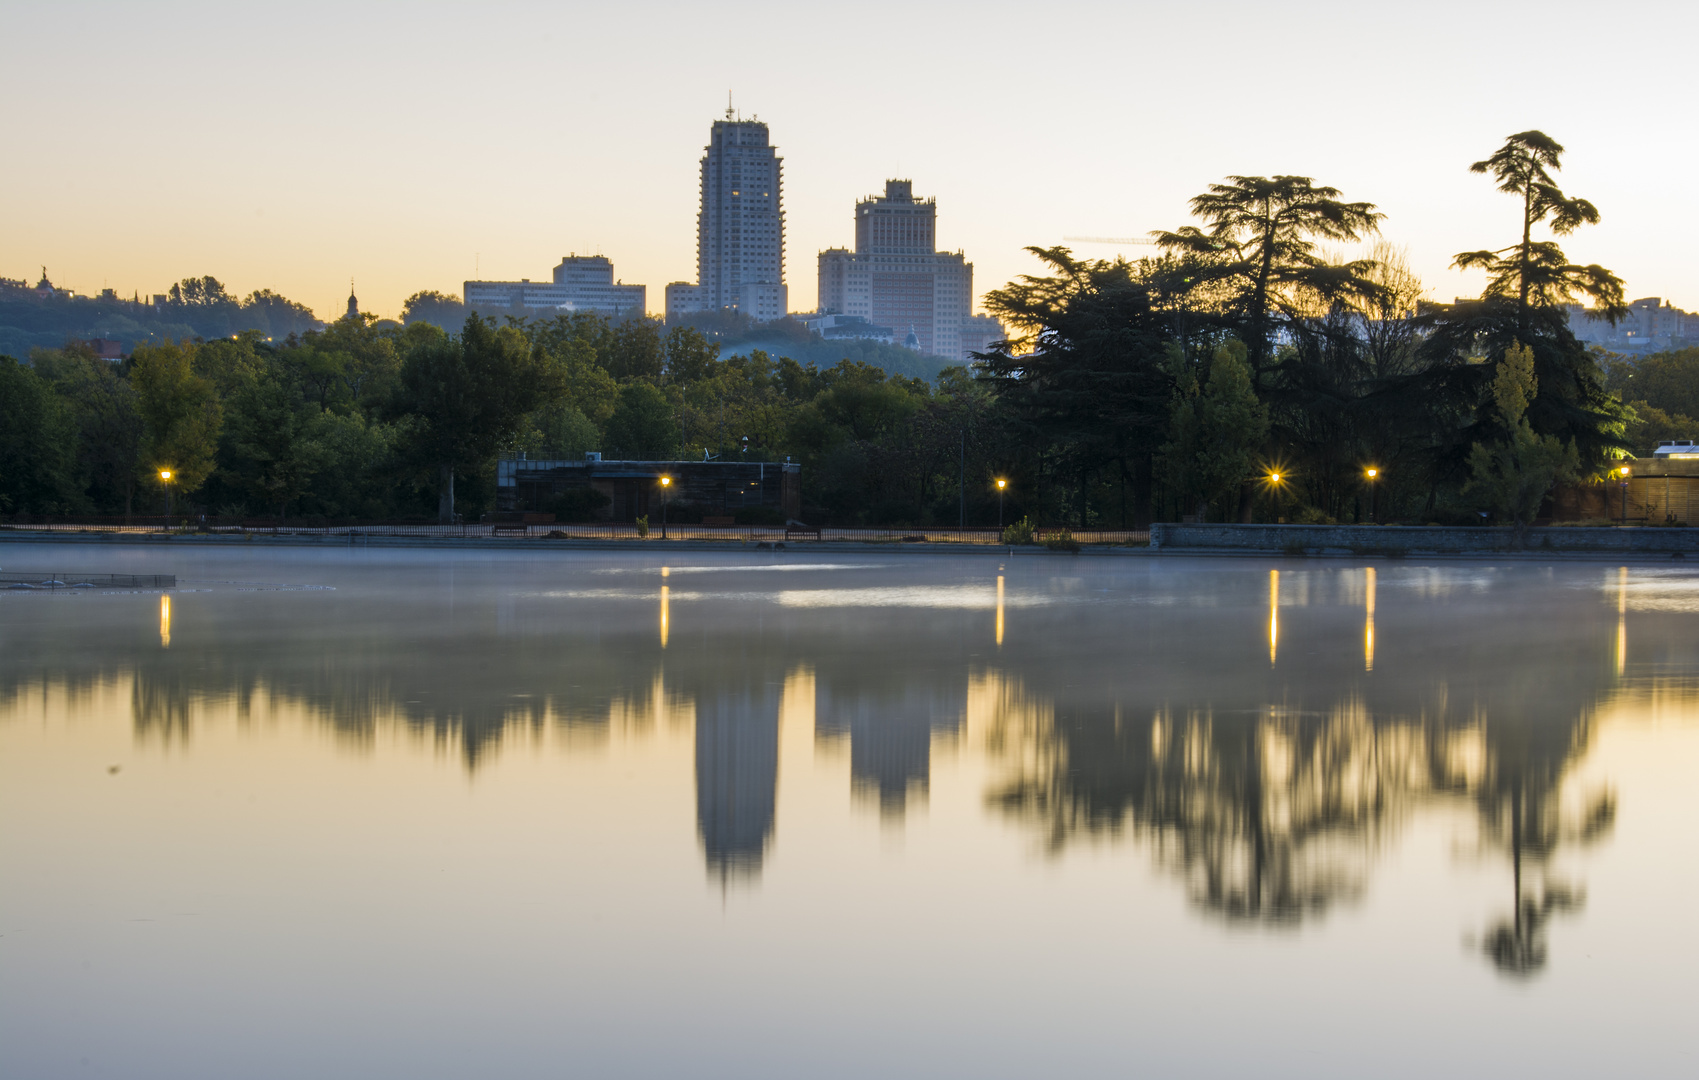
1001	485
1374	495
666	482
1624	473
165	478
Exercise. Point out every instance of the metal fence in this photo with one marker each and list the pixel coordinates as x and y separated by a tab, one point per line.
87	581
730	534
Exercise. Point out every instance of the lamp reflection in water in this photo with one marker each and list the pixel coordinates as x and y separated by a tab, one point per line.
665	571
164	620
1273	613
1369	619
1621	619
999	610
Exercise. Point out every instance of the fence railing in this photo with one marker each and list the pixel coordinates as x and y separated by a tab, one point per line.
356	531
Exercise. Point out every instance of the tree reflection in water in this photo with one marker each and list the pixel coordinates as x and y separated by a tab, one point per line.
1266	780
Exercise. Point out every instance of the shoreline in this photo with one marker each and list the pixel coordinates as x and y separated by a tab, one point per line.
656	546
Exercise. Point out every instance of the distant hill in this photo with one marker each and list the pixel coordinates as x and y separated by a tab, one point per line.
30	318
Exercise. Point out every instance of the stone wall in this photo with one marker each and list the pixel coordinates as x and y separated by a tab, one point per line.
1417	539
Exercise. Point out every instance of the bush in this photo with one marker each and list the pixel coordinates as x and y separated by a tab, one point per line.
1021	532
1062	540
643	526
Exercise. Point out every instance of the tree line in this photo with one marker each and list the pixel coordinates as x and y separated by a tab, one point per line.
1247	372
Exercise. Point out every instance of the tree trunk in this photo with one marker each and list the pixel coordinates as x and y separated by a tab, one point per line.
445	496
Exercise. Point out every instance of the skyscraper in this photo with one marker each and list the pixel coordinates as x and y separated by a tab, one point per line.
894	277
740	229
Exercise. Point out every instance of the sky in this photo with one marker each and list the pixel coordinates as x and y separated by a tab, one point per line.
413	146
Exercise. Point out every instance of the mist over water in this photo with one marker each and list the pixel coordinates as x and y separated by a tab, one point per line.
445	813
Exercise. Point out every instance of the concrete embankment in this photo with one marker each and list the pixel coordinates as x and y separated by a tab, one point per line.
1424	540
652	546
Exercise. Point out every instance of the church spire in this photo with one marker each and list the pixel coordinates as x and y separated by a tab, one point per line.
353	304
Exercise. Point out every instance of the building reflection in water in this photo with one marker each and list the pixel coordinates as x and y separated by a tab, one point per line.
1267	795
890	730
737	774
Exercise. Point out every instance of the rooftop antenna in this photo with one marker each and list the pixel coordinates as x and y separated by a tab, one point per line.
728	104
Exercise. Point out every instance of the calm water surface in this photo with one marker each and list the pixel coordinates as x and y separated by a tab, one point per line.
443	814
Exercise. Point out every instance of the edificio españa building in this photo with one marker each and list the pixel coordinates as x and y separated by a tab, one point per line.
581	283
740	229
895	278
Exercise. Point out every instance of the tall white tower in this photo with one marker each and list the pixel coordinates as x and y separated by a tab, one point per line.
740	231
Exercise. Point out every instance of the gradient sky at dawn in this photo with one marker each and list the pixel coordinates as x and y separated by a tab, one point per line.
291	146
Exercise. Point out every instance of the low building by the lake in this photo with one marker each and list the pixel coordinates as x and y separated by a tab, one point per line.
1662	489
591	488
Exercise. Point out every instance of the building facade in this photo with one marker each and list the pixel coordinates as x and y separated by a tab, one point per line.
1652	325
633	489
740	227
580	283
896	278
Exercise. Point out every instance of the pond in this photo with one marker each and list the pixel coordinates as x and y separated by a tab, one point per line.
451	813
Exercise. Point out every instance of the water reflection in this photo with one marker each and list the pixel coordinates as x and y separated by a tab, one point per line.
1369	618
1273	614
737	771
1129	707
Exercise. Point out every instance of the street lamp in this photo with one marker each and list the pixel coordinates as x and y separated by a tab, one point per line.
1374	495
165	478
1624	472
666	482
1001	485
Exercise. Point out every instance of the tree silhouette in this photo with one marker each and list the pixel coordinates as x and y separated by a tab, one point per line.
1535	272
1259	246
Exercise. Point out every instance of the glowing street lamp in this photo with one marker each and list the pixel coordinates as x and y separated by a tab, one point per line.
1624	472
1374	494
666	483
165	478
1001	486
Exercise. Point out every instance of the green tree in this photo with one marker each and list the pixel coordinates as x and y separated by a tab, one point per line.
634	350
690	356
1522	308
643	424
1534	272
180	412
1649	425
1215	431
1512	476
109	429
267	448
1666	380
1084	376
469	397
1257	253
37	443
440	309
